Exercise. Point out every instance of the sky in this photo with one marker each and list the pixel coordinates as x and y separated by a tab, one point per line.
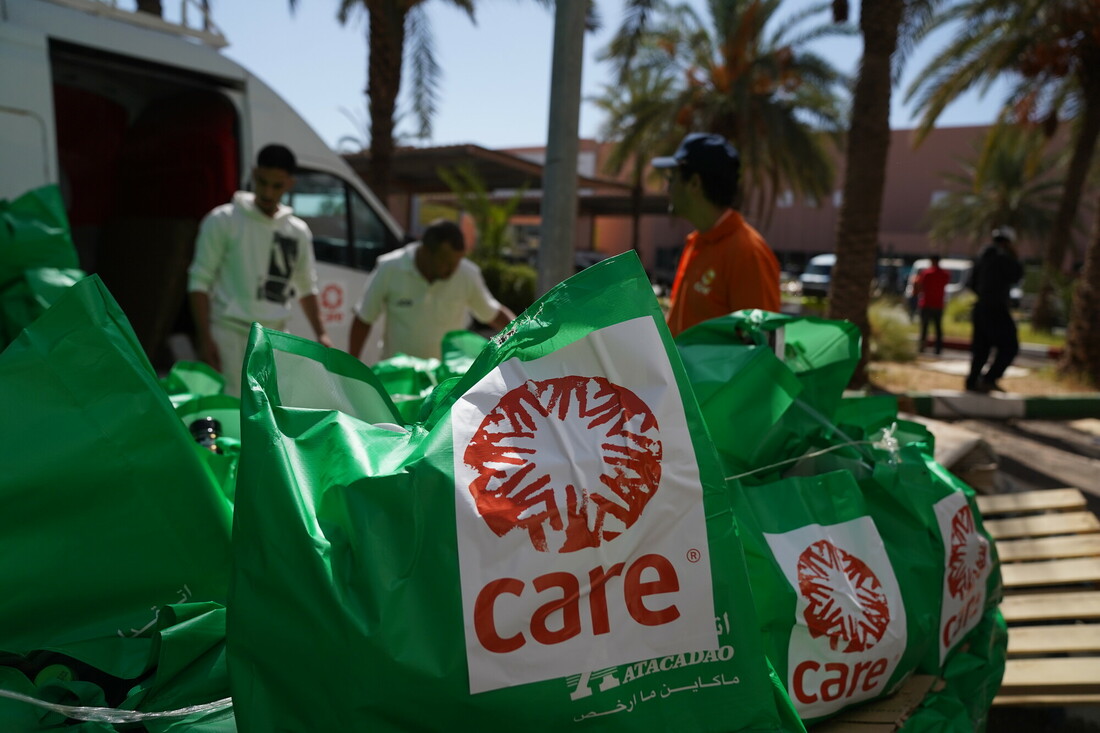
496	74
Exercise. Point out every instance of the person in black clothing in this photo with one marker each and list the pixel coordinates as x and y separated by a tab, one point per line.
995	271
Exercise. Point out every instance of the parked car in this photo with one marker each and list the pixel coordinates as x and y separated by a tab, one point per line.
815	278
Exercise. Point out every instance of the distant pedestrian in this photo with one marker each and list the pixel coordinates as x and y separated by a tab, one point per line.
726	265
996	270
929	287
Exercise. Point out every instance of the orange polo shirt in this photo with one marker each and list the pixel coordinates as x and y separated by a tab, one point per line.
727	268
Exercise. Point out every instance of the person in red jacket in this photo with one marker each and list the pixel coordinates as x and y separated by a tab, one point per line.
726	265
929	288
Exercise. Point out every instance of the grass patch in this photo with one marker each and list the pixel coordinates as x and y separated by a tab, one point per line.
957	325
892	338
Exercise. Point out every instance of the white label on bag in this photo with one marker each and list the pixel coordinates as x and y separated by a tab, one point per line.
581	533
849	628
967	565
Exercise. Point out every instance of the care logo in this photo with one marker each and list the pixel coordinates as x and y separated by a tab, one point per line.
968	555
849	628
581	535
967	564
572	461
845	601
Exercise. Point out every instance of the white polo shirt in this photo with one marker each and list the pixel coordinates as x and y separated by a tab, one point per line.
419	313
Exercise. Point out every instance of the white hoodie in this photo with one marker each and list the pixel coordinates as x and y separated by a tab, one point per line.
253	265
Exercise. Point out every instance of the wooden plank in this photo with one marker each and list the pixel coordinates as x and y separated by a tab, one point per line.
1032	501
1043	525
1051	572
1046	700
1057	639
1071	605
1049	548
1063	676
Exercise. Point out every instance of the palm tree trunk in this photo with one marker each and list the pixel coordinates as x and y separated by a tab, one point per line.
386	39
636	192
1082	354
1043	316
865	175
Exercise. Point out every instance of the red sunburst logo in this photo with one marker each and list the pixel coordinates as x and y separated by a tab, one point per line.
846	601
573	461
968	556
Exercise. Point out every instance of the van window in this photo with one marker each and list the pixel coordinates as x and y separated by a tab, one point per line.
346	230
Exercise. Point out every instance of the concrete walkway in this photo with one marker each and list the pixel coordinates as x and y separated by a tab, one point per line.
959	404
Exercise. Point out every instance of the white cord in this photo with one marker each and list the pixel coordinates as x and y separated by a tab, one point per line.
111	715
888	442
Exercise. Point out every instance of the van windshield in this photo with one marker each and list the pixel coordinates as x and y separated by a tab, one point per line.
346	229
819	269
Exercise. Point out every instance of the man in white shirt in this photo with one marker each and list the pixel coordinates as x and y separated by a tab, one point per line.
252	256
426	289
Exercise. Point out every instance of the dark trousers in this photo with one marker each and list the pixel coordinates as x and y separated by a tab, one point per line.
994	329
932	316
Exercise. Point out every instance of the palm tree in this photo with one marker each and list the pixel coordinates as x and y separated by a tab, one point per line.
1054	48
1082	353
865	174
1010	180
758	87
392	23
637	121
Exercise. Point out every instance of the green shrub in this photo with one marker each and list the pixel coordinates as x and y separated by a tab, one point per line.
891	334
512	285
957	310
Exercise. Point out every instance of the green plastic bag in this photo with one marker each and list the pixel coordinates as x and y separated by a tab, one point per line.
835	605
34	232
972	676
410	381
188	380
768	384
26	298
109	512
551	548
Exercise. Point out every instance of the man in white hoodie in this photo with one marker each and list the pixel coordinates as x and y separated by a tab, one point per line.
252	256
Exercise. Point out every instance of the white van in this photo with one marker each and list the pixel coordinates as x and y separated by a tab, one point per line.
145	126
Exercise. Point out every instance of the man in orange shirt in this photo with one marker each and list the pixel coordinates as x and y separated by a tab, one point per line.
726	265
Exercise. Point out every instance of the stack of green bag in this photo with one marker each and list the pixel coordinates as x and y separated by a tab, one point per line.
581	522
115	537
410	380
551	546
869	561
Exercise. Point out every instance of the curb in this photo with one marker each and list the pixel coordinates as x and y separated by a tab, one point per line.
945	403
1039	350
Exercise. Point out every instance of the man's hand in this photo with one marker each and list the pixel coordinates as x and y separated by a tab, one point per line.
208	353
360	332
325	340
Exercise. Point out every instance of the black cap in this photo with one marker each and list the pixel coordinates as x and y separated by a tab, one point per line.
704	153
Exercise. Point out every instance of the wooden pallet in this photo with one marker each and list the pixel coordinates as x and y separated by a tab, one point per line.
1049	546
